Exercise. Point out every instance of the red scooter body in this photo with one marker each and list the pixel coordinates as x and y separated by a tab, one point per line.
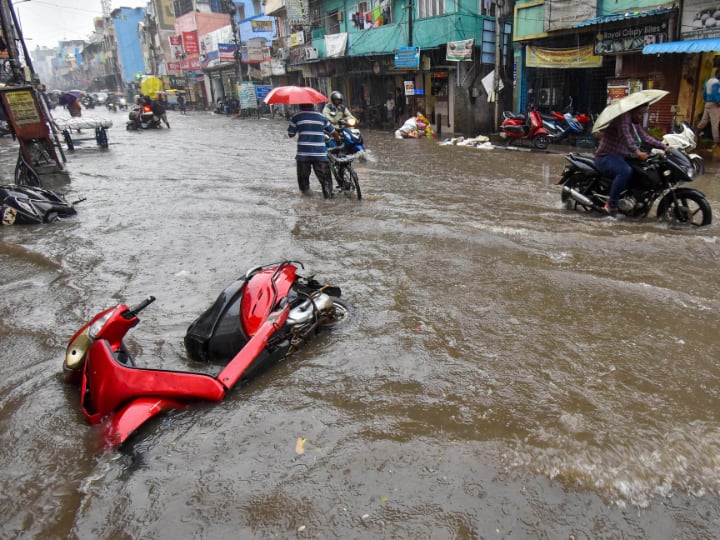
518	127
113	390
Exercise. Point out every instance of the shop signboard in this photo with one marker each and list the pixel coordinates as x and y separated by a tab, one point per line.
630	38
407	57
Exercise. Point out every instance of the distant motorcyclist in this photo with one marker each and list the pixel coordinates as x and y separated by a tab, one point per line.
335	110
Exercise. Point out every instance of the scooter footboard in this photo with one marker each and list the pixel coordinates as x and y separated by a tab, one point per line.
107	384
134	414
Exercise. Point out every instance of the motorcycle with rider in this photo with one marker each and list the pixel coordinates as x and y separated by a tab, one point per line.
624	178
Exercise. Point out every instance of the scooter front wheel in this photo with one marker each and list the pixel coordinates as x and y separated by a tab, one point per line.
343	314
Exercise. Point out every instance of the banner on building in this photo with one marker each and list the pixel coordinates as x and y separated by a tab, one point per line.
562	14
335	45
190	43
296	39
460	51
176	50
407	57
254	51
630	38
699	19
296	12
261	26
226	52
581	57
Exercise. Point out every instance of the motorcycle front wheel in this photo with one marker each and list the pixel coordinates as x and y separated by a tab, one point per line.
698	165
685	208
350	184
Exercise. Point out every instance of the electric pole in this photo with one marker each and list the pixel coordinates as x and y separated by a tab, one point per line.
231	9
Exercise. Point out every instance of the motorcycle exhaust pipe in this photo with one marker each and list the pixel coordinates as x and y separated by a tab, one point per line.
579	197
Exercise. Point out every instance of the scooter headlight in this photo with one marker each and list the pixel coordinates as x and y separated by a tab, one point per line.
95	328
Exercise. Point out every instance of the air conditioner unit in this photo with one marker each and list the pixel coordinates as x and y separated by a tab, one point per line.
311	53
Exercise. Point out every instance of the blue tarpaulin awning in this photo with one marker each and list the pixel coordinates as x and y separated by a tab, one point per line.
617	17
687	46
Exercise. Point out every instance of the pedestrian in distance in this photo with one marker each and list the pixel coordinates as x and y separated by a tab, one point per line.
711	114
312	127
181	104
622	140
399	105
390	109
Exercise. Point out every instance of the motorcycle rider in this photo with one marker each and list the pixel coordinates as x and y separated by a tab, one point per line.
621	140
335	110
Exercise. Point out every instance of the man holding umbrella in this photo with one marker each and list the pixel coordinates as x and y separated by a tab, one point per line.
622	139
311	127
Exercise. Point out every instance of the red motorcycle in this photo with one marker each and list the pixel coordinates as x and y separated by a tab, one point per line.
519	127
258	320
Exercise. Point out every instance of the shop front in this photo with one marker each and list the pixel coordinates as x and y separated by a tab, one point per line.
697	53
579	70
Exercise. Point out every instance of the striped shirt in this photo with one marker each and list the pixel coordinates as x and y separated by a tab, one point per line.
311	127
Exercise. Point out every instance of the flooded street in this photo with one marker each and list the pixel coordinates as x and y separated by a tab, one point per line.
513	370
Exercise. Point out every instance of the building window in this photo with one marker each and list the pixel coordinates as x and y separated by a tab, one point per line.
430	8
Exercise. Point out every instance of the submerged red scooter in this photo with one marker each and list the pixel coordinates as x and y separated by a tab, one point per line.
258	320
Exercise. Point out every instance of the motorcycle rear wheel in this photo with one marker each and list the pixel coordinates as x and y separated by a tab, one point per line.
582	184
541	142
688	208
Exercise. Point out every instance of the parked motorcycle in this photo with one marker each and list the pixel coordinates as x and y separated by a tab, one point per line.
520	127
26	205
658	177
258	320
567	126
683	138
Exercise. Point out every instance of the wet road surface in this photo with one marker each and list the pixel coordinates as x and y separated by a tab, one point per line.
513	370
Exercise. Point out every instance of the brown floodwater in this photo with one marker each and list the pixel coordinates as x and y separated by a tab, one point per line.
513	369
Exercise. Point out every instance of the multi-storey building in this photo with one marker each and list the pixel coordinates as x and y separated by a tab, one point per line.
437	53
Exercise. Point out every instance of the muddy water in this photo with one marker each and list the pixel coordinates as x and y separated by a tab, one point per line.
513	370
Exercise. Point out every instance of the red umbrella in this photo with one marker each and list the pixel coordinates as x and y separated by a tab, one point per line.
294	95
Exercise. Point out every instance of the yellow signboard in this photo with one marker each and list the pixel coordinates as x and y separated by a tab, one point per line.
581	57
23	107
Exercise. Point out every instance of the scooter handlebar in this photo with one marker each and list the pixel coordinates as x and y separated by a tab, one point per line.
133	311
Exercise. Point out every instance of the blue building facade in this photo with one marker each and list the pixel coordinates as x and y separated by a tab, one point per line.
126	21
